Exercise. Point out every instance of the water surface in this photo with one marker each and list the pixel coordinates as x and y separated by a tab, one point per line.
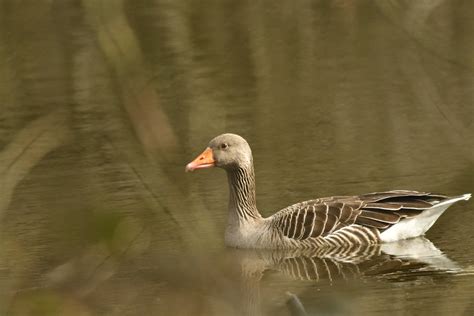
104	102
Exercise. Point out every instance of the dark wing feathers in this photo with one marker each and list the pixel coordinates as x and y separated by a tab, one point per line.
318	227
332	218
379	210
401	195
308	223
350	211
379	196
385	217
384	209
383	206
370	222
407	213
413	204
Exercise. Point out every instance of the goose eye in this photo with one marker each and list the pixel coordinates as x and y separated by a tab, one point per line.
224	145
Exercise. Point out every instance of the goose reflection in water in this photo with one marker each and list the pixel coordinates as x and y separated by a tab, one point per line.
385	261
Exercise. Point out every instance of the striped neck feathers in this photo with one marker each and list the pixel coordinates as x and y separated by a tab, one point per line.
242	200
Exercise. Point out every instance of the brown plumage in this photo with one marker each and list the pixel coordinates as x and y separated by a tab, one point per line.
331	222
381	210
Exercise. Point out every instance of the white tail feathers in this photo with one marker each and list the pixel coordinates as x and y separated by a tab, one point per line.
417	226
452	200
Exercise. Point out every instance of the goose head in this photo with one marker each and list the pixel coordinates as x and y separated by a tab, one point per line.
226	151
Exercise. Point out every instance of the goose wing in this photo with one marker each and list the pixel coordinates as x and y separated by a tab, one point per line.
374	211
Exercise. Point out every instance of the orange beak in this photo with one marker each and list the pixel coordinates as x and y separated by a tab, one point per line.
204	160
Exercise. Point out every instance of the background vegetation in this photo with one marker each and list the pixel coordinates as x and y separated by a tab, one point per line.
103	102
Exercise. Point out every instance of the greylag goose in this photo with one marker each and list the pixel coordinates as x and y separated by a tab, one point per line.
330	222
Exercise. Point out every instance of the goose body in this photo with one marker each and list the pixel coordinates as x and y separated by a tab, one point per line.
332	222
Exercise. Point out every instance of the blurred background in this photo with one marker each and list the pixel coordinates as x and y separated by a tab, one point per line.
103	102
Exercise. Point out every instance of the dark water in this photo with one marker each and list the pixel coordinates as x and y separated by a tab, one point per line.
104	102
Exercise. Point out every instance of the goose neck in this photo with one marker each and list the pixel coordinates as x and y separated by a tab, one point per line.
242	197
